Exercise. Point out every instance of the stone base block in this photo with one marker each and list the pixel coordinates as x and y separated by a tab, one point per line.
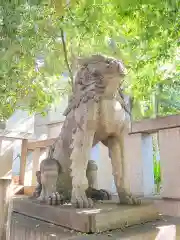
27	228
169	207
103	217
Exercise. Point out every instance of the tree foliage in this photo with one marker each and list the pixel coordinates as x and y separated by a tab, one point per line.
145	34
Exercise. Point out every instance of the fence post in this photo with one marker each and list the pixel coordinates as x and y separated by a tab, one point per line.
24	151
35	164
169	147
138	164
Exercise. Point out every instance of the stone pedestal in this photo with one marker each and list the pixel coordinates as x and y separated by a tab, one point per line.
4	187
28	228
104	216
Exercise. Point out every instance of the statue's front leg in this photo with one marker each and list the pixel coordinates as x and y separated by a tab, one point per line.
50	171
81	150
115	145
93	192
86	118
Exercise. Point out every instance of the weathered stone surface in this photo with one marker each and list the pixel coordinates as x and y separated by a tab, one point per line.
96	113
112	216
27	228
65	216
105	216
170	207
4	187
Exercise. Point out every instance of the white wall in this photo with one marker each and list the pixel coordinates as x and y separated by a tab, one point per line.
100	154
19	124
20	121
45	126
56	113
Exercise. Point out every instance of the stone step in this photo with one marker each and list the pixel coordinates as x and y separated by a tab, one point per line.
104	216
27	228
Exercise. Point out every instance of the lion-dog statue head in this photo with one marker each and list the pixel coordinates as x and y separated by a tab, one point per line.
97	76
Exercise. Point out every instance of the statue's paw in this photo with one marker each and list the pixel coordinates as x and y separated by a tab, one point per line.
53	199
35	195
80	200
105	195
98	194
129	199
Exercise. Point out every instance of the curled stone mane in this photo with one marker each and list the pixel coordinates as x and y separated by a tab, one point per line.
89	84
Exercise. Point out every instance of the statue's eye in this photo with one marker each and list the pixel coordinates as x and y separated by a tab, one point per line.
108	61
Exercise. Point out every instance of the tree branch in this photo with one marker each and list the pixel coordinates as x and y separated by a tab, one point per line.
66	58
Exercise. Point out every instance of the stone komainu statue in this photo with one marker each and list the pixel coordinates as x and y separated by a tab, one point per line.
93	115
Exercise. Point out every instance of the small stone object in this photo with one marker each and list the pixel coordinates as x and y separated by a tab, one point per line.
54	199
49	200
58	198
